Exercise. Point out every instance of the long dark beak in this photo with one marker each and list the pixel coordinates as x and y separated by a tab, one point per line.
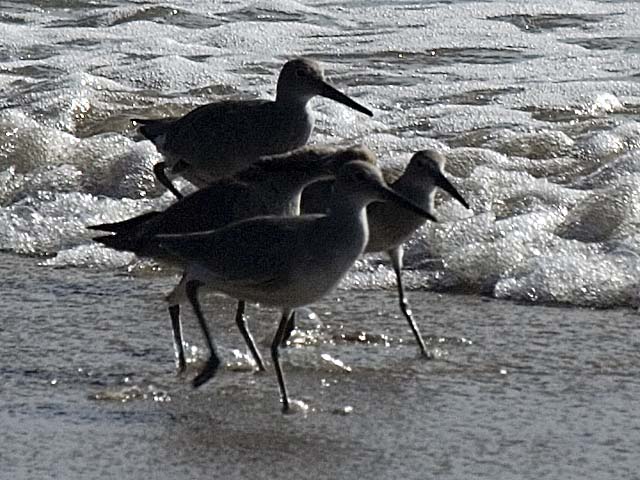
442	182
334	94
388	195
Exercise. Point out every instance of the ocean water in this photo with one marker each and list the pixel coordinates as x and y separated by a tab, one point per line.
535	106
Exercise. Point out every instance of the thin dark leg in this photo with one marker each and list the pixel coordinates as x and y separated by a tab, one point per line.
277	340
241	321
178	347
159	171
212	364
291	326
396	259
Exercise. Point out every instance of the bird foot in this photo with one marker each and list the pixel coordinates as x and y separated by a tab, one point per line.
293	407
207	373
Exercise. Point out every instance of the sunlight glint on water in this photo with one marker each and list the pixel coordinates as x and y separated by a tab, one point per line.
534	104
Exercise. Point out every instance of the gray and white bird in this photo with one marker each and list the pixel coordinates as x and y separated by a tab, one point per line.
222	138
286	262
390	226
272	186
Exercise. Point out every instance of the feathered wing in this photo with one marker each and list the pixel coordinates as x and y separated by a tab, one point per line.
250	252
210	208
215	128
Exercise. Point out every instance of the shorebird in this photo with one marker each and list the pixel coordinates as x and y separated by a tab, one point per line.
285	262
273	185
390	226
222	138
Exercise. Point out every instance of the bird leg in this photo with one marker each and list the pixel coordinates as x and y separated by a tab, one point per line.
396	255
159	169
277	341
241	321
178	347
213	362
291	326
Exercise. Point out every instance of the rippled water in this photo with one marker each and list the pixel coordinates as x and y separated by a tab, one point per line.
535	105
517	391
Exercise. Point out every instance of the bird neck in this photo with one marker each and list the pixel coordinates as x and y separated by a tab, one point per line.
285	96
421	193
349	213
346	231
288	188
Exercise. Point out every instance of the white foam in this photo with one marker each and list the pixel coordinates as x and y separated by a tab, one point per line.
601	145
538	125
26	144
168	74
579	275
90	256
540	144
606	214
46	222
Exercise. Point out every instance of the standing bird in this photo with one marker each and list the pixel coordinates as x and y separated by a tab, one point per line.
222	138
286	262
390	226
272	186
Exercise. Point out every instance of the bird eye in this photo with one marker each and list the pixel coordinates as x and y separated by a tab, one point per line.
300	72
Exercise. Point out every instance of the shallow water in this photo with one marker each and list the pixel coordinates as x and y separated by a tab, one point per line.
517	391
534	104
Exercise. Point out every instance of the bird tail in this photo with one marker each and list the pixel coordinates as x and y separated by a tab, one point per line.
152	129
130	234
119	242
126	226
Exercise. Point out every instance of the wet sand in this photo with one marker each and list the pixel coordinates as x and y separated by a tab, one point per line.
517	391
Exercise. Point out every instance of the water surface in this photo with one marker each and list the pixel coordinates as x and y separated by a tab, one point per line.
517	391
534	104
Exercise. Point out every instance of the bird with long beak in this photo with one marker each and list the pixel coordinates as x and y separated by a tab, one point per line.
285	262
222	138
390	226
271	186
